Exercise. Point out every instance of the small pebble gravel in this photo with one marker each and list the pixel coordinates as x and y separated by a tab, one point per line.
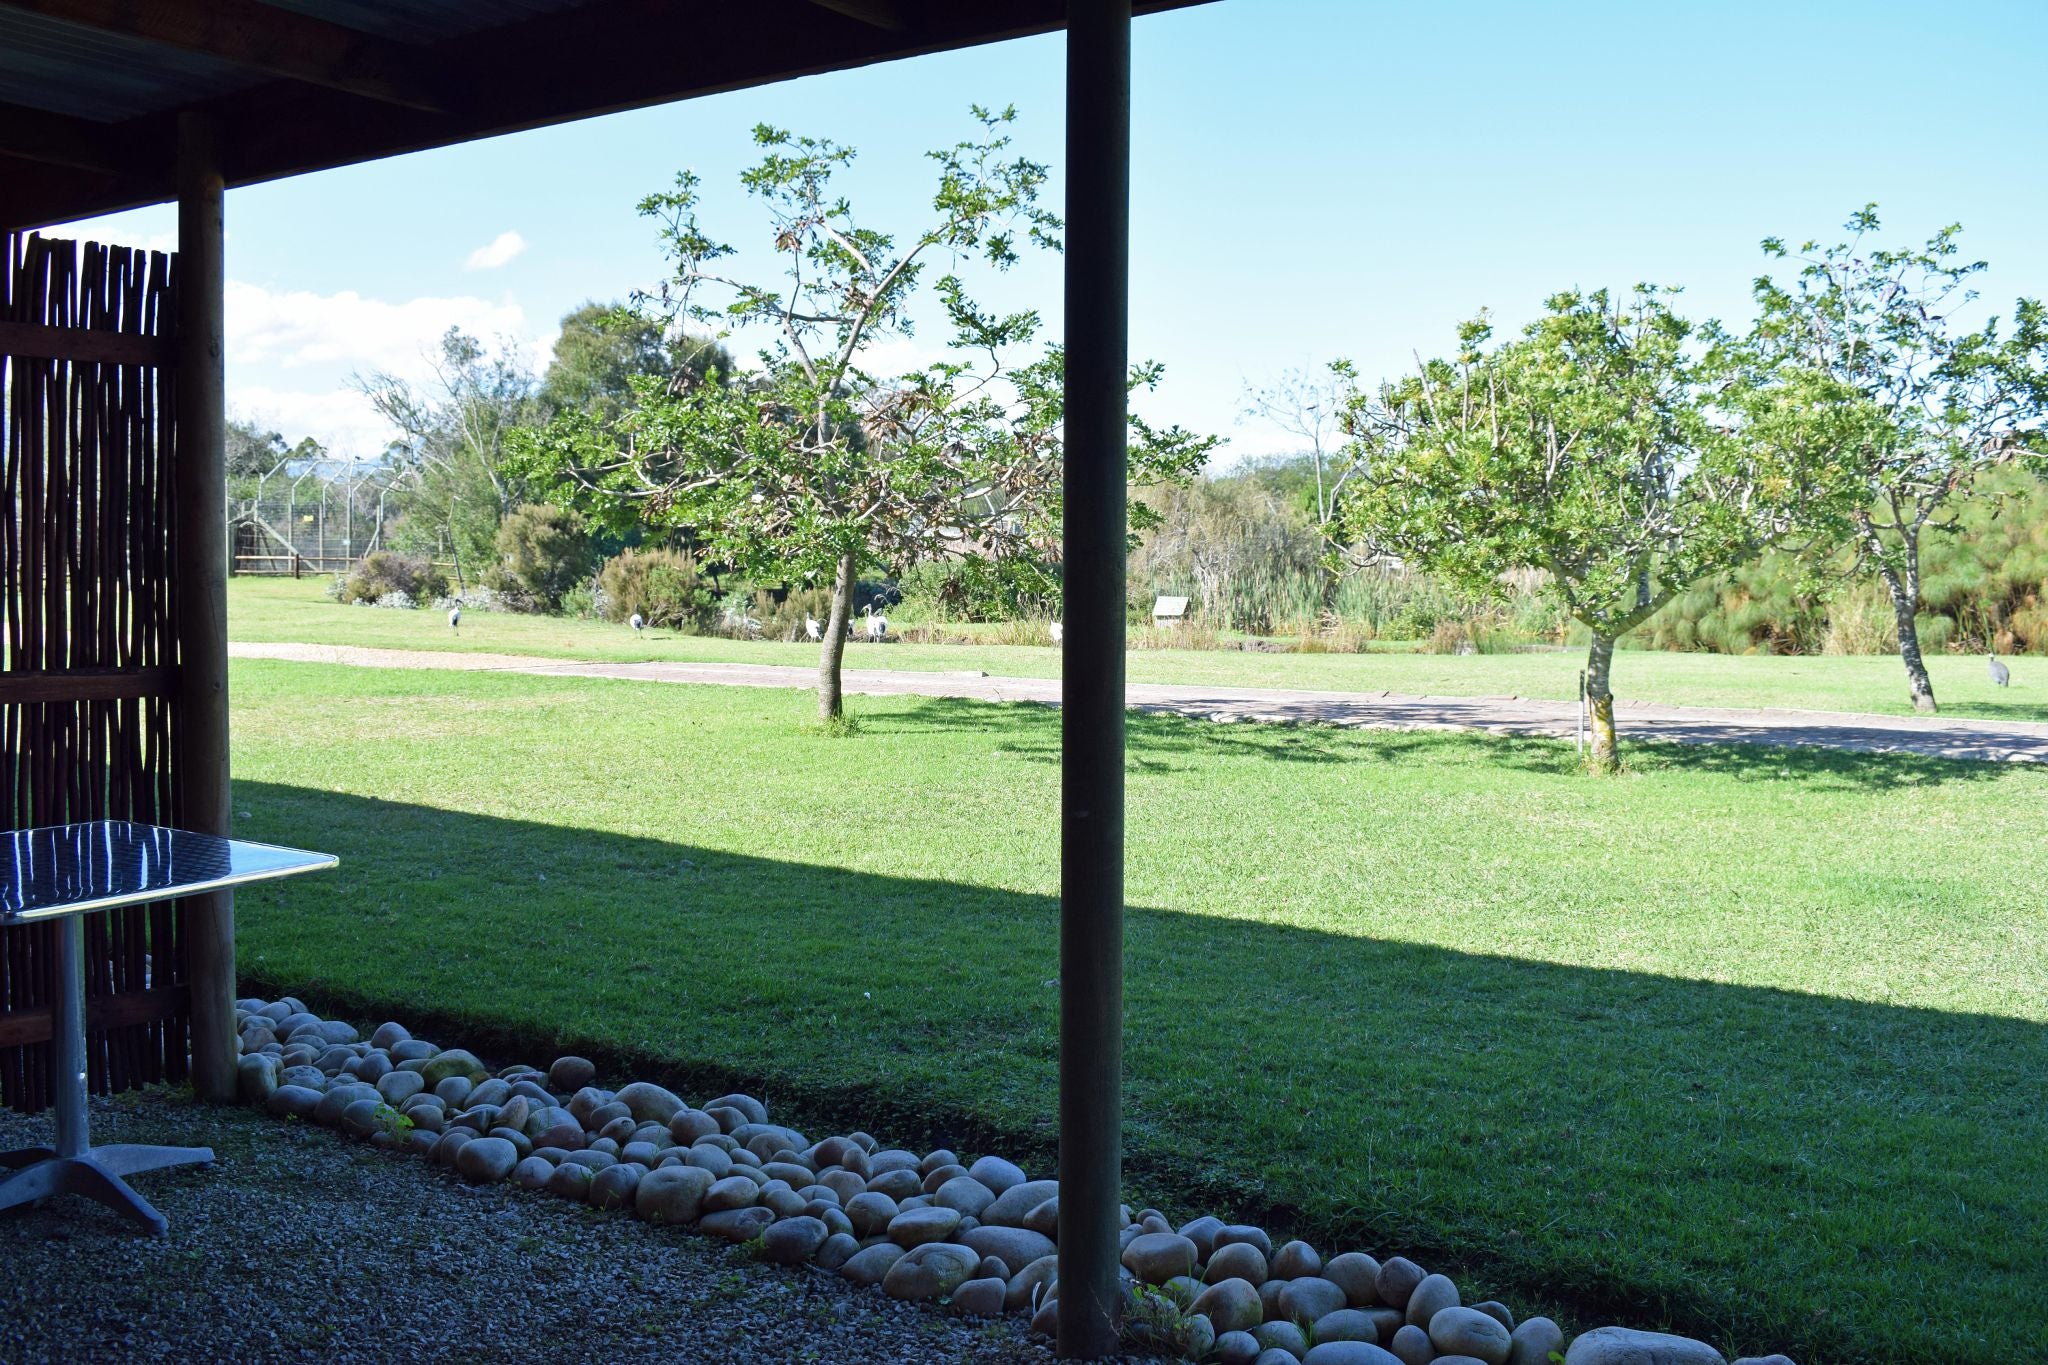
301	1245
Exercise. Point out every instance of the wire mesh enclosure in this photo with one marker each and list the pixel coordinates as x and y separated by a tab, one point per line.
87	694
311	515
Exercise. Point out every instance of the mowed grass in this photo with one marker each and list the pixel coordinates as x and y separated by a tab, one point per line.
1747	1042
281	609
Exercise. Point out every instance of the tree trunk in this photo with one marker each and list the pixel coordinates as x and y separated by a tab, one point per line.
833	649
1605	755
1904	601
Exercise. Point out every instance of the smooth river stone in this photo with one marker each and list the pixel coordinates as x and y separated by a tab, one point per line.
1469	1332
930	1271
1231	1306
1012	1246
1432	1296
1625	1346
486	1160
998	1174
1358	1274
1238	1261
673	1195
917	1227
1156	1257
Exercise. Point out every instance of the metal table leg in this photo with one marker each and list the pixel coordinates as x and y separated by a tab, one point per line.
74	1165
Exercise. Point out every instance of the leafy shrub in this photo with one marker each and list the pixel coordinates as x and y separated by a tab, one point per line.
384	573
784	620
975	589
542	553
661	585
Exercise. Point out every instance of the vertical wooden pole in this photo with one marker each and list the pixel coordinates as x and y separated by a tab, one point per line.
199	582
1092	688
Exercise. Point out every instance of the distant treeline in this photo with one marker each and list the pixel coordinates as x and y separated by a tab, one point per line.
1245	547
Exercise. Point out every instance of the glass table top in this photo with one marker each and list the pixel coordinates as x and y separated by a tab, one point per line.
72	869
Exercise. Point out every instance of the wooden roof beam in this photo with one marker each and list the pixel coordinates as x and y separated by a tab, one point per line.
60	140
887	15
262	38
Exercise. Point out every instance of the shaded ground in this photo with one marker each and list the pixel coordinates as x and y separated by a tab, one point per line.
1670	1050
1935	737
298	1245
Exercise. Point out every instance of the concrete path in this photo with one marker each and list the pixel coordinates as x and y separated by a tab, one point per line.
2008	741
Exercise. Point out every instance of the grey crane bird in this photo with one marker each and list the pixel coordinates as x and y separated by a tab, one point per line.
455	617
2001	676
637	622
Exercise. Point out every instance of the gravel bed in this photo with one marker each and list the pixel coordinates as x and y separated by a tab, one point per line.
298	1244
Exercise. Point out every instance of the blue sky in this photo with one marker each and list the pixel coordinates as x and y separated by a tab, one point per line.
1312	178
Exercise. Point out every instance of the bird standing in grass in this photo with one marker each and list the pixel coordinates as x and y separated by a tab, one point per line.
455	617
878	624
812	628
2001	676
637	622
1059	631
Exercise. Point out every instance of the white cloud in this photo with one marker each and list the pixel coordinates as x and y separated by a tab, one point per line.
339	418
299	328
291	353
500	250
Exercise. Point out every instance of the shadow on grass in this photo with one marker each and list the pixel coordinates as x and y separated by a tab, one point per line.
1157	742
1779	1169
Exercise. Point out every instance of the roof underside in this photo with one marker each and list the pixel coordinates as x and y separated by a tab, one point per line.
90	90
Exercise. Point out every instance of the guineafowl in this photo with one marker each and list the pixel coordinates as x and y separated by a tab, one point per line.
2001	676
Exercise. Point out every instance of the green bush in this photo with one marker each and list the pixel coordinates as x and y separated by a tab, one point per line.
784	620
661	585
384	573
543	552
975	589
1983	585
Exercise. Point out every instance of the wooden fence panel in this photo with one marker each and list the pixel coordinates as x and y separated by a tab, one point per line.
88	675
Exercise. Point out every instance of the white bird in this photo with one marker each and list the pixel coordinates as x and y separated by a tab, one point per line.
1059	631
812	628
636	621
2000	675
455	617
878	624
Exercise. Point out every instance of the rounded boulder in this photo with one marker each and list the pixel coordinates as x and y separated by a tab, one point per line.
1156	1257
1626	1346
1469	1332
486	1160
931	1271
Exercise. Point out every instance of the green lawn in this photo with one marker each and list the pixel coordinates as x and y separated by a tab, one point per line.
274	609
1748	1041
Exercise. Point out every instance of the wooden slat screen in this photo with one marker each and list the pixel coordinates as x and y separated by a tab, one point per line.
87	681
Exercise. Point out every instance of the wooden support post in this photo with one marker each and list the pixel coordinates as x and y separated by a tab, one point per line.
199	496
1092	689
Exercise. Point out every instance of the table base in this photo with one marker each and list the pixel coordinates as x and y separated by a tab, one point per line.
40	1173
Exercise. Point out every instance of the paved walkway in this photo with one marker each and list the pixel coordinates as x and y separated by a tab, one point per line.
1938	737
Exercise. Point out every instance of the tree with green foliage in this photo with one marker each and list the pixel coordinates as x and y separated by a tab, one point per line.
812	466
1858	357
543	551
451	447
251	451
604	347
1588	448
1310	406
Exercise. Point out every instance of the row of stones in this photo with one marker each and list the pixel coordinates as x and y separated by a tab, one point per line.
978	1237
